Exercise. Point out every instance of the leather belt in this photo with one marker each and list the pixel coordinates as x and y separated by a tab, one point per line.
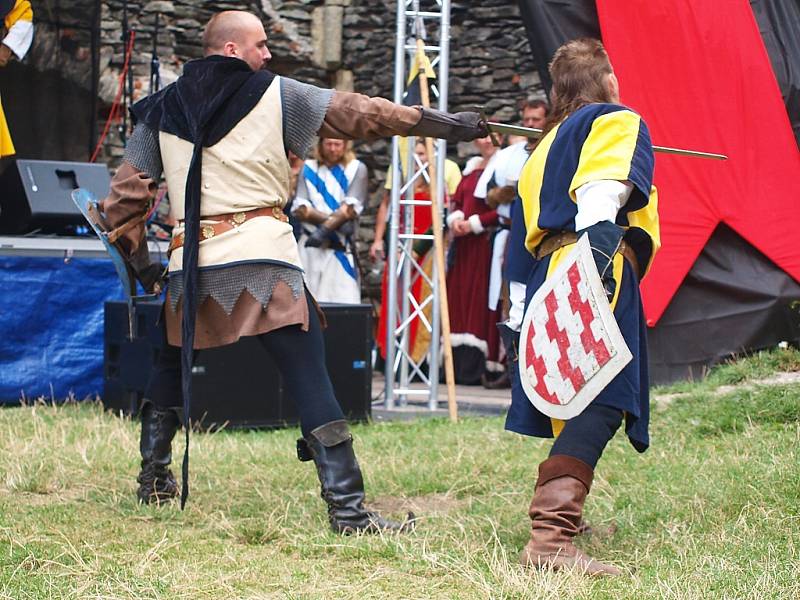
558	240
227	222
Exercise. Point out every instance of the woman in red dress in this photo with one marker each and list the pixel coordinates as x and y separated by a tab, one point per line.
474	335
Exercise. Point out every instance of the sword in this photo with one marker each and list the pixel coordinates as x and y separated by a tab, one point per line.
530	132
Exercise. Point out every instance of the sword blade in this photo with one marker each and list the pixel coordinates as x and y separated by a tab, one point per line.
533	133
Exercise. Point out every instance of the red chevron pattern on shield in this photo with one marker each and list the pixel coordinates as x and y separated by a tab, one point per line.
571	343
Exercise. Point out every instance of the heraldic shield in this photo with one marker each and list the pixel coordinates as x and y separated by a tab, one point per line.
570	344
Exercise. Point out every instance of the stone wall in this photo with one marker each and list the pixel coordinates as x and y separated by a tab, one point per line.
348	44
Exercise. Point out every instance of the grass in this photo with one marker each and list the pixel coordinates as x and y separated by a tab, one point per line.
712	510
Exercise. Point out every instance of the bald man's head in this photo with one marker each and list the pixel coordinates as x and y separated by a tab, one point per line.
237	34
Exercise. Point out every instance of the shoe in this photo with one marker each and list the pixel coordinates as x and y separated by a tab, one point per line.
556	517
331	448
498	383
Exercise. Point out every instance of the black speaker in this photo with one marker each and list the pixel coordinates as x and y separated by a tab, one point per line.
239	385
35	194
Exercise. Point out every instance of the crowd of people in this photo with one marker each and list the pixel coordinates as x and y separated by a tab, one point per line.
331	193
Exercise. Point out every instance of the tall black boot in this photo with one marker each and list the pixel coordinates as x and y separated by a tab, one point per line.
156	482
331	448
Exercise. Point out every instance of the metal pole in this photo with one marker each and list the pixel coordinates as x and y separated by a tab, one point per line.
441	156
408	227
394	219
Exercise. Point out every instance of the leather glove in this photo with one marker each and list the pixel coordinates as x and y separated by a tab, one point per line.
453	127
510	339
319	237
334	222
604	239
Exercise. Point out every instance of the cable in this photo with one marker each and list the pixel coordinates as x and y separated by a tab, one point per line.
117	99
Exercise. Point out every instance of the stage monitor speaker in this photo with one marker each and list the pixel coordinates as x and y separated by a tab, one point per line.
239	385
35	194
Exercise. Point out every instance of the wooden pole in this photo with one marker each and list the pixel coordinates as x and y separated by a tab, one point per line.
438	244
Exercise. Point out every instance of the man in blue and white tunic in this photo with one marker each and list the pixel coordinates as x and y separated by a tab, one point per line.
331	192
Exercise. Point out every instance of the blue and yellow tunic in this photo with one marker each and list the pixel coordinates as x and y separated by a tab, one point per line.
13	14
596	142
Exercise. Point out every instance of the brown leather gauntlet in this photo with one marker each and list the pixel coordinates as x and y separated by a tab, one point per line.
353	116
125	210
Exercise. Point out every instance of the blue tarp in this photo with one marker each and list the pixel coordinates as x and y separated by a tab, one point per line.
51	326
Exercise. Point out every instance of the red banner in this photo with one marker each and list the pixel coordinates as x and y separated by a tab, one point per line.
700	76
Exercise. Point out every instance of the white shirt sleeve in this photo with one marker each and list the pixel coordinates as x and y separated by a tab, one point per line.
516	294
600	201
19	38
357	193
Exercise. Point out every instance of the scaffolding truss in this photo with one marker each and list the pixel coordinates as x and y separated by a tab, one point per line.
413	303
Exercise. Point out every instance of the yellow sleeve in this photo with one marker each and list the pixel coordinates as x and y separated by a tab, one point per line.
22	11
608	150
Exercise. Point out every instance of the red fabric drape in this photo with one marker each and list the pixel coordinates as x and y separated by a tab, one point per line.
699	74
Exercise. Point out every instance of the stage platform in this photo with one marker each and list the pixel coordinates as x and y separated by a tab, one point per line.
52	296
472	400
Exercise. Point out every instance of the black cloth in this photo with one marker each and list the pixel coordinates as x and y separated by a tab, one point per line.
201	107
551	23
779	24
5	7
300	357
585	437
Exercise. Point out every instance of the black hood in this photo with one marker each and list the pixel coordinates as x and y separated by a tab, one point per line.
212	96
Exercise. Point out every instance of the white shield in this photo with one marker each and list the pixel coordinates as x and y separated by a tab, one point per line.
570	344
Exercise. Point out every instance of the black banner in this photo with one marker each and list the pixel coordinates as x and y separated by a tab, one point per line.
550	23
779	24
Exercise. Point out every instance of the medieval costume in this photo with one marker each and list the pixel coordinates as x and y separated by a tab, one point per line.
474	335
16	37
330	264
591	174
221	135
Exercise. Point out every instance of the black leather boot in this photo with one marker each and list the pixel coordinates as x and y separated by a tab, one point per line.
331	448
156	482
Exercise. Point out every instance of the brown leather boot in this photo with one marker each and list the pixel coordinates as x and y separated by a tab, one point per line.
555	512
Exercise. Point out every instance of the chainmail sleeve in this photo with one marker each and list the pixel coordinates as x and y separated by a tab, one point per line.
144	152
304	108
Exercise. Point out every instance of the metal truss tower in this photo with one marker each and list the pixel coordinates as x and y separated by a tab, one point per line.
406	374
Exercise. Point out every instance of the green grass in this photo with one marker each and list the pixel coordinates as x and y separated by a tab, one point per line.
712	510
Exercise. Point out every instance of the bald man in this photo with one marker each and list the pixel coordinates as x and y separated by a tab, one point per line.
221	135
